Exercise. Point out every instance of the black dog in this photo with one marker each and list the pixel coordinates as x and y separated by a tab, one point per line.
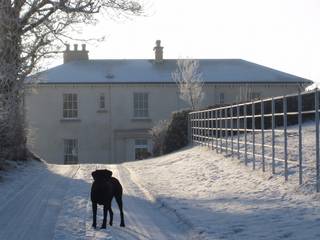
104	188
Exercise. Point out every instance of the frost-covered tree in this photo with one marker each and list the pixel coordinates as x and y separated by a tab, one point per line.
158	133
31	30
189	81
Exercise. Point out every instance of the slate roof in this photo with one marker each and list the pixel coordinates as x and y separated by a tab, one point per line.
147	71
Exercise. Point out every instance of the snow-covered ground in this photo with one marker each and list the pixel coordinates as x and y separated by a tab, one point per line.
191	194
40	201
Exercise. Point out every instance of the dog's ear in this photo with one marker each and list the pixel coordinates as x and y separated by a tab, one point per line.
94	175
107	173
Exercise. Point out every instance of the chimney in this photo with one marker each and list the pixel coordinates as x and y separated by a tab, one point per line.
158	51
75	54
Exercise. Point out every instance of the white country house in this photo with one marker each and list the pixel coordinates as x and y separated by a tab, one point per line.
100	111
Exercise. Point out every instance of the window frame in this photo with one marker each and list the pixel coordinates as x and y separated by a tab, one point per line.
70	109
70	151
102	101
140	146
141	105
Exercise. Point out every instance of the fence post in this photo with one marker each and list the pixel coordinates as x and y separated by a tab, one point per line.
206	114
253	137
285	138
238	131
209	129
220	113
189	128
262	136
204	122
316	95
216	129
300	136
226	128
197	127
245	133
273	126
212	129
231	133
192	129
202	128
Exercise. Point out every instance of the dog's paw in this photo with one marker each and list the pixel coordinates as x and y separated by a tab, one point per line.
122	225
103	227
94	225
110	223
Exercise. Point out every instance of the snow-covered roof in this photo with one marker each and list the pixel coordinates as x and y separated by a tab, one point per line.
147	71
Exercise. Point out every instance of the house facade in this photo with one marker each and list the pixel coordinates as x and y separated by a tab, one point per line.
101	111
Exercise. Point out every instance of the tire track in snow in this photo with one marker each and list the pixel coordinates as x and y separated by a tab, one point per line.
145	220
13	193
32	212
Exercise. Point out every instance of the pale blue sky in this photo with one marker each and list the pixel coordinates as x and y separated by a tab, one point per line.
282	34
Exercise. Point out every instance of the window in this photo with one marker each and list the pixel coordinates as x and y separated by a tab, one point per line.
70	151
70	105
140	105
221	98
102	101
141	149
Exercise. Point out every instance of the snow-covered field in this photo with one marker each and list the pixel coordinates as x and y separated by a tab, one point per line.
191	194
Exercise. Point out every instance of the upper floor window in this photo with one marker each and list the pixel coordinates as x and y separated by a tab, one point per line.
102	101
221	98
140	105
70	105
70	151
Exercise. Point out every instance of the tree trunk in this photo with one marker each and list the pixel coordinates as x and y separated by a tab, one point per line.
12	127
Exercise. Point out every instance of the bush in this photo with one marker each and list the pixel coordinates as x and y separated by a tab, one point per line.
158	134
177	133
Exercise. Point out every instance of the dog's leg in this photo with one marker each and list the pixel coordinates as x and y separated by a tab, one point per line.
105	212
111	216
94	214
119	202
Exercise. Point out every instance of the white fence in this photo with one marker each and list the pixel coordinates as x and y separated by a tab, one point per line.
233	129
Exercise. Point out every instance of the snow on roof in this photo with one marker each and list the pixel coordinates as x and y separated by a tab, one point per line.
147	71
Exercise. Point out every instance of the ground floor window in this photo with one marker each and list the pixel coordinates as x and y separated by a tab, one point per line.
70	151
141	149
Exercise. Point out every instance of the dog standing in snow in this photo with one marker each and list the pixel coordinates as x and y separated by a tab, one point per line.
104	188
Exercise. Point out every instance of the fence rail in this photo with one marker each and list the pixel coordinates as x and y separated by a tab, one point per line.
233	130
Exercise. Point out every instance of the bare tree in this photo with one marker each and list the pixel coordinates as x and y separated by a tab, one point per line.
189	81
158	133
31	30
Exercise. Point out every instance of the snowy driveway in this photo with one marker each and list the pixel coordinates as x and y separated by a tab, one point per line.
190	194
52	202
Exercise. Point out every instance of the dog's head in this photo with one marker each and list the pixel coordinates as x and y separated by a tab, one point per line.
101	174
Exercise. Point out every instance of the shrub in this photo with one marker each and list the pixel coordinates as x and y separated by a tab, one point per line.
177	133
158	134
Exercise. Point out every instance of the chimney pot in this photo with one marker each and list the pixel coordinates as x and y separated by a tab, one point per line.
158	52
75	55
